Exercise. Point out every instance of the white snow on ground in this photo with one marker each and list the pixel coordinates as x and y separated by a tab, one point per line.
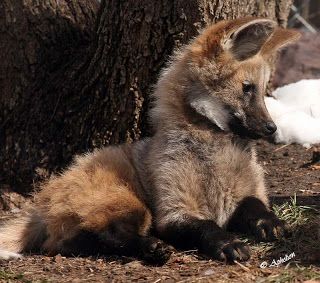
295	109
7	255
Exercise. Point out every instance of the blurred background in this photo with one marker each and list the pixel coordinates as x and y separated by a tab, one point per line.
301	60
309	11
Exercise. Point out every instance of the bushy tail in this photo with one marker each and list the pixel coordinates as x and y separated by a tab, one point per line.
25	233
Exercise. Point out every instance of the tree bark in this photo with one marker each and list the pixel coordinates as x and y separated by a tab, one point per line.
74	77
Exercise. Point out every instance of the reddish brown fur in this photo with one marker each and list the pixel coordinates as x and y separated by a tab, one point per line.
99	188
161	174
280	38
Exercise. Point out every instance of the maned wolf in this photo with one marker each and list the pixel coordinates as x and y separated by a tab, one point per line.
195	181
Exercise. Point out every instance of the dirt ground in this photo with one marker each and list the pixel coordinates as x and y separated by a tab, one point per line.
288	172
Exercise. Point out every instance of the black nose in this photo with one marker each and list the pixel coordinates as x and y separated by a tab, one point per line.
270	128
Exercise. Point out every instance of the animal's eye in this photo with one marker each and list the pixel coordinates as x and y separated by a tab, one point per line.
248	88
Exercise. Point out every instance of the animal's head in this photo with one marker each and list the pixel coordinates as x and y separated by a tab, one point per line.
229	67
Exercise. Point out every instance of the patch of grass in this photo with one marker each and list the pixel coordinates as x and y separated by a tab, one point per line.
297	274
8	276
304	222
294	214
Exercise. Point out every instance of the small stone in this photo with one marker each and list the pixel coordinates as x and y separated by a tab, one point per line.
208	272
134	264
58	259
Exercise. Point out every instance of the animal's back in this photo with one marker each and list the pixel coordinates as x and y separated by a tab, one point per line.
93	207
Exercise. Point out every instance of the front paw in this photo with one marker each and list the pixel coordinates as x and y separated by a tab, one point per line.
155	252
269	228
228	249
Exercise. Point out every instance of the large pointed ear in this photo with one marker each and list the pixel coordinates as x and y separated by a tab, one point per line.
247	37
279	39
212	109
209	106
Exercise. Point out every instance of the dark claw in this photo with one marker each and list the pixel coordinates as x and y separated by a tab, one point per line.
155	251
230	250
236	250
243	251
270	229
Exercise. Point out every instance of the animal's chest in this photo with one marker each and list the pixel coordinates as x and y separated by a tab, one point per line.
226	175
219	159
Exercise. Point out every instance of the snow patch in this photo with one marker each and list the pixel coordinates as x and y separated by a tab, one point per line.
7	255
295	109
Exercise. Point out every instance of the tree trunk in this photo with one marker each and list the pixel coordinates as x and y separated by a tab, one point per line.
74	77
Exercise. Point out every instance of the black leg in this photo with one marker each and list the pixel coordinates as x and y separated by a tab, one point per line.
207	237
117	239
252	216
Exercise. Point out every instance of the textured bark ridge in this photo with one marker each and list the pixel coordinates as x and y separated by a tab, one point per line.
75	75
